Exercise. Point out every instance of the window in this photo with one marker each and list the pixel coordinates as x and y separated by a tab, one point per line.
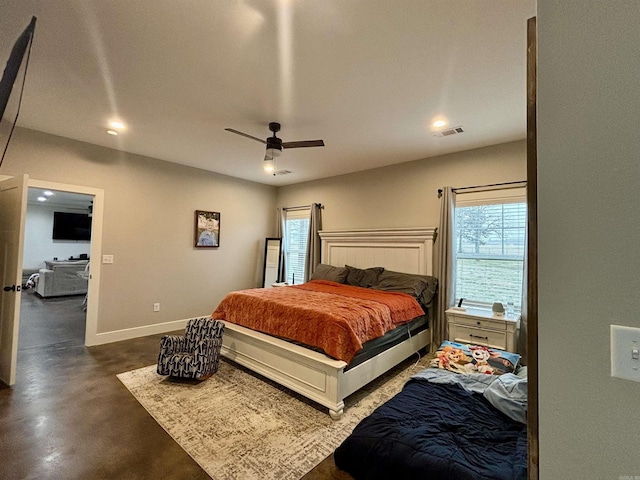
489	247
295	244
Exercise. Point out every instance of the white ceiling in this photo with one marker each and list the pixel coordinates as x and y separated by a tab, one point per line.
366	76
55	198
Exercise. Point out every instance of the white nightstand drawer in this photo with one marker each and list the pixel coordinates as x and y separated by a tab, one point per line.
488	338
479	322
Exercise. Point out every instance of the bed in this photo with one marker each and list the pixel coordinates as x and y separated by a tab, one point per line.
314	374
446	423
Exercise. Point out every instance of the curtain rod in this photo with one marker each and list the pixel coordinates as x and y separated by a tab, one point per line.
301	207
519	182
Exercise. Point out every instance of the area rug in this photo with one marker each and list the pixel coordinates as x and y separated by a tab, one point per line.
237	425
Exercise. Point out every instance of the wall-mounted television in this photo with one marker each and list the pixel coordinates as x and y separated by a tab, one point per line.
71	226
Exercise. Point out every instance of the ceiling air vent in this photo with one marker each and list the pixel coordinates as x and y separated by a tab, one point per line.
281	172
448	132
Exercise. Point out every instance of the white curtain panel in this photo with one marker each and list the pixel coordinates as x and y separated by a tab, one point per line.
522	334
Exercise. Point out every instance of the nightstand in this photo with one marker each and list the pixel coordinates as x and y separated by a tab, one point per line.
483	328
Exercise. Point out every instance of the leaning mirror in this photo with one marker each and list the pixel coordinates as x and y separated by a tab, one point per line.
272	259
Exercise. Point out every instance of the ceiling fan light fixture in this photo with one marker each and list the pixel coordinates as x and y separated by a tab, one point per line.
274	152
269	163
275	145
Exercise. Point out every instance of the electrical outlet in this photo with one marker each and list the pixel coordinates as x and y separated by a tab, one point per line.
107	258
625	352
156	307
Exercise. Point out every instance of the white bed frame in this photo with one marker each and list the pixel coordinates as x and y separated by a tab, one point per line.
315	375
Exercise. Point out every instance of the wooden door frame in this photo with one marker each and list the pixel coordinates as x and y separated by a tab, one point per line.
532	252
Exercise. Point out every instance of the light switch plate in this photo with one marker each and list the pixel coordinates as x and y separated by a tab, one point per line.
625	349
107	258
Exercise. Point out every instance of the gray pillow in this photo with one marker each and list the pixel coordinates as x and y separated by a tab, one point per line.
421	287
329	272
360	277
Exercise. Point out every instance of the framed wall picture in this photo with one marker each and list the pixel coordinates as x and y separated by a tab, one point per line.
207	232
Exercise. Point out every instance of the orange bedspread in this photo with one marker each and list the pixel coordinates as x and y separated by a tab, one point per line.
334	317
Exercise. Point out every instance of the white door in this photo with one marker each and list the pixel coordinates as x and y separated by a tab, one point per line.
13	208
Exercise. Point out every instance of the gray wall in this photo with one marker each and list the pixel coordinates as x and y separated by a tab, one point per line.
149	227
149	207
589	194
405	195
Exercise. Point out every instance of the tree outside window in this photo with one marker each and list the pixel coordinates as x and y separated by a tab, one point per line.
489	253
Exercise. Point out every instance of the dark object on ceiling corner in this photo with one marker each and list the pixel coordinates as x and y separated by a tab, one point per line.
13	64
21	47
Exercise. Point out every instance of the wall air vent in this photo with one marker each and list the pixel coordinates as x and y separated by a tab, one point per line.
448	132
281	172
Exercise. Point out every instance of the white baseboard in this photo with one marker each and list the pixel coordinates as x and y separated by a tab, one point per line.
136	332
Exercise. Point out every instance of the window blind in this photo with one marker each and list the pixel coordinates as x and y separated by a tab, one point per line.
297	234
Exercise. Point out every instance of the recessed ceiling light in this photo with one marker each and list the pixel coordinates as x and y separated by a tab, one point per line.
116	124
42	199
112	132
47	193
439	123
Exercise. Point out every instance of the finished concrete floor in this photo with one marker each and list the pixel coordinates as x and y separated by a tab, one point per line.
69	417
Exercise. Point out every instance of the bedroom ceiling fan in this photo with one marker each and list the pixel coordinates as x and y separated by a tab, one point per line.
275	144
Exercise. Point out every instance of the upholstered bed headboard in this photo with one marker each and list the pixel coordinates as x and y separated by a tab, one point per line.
408	250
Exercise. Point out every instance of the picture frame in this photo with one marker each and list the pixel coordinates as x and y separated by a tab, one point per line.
207	229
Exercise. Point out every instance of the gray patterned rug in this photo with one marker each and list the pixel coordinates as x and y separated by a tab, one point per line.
238	426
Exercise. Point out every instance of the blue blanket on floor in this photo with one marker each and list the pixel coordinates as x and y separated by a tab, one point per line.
507	392
436	431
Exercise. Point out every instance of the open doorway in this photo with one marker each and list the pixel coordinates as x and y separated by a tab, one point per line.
14	197
56	268
93	292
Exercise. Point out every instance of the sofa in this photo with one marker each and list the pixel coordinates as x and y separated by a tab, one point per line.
61	278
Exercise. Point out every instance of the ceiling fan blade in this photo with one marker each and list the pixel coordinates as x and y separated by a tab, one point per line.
246	135
303	143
